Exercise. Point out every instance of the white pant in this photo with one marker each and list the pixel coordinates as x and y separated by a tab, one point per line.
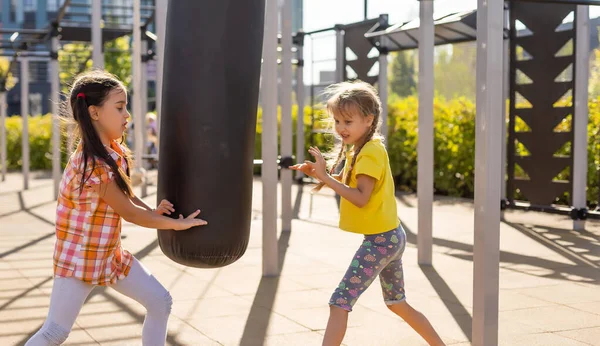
69	294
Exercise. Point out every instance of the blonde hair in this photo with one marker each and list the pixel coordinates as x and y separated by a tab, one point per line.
347	99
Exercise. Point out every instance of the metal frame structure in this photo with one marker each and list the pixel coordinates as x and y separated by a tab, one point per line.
24	46
492	53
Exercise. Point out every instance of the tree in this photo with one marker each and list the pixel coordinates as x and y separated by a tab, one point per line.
454	70
75	58
594	86
117	59
403	81
6	77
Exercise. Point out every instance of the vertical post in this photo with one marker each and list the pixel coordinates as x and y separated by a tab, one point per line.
97	53
269	141
138	117
55	89
383	89
144	110
286	113
19	12
340	54
161	26
366	9
4	159
300	102
24	81
505	92
425	144
488	142
580	120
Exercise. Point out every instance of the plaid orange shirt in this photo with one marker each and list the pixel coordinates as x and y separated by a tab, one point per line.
88	231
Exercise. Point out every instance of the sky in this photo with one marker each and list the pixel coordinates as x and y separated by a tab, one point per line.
319	14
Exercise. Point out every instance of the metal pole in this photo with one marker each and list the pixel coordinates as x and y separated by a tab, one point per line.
269	141
425	144
97	53
580	120
24	80
144	111
138	117
488	143
366	9
300	102
383	90
505	92
340	54
4	159
161	21
286	113
55	87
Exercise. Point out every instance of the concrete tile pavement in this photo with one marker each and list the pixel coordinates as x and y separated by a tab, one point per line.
549	278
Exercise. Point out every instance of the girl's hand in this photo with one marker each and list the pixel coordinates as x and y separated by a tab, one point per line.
320	166
165	207
307	168
189	222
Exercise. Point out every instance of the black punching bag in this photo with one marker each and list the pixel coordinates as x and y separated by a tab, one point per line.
208	123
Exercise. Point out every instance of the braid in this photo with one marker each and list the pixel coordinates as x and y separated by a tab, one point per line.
368	137
332	170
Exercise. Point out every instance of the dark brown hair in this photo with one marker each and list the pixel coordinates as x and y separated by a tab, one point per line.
92	89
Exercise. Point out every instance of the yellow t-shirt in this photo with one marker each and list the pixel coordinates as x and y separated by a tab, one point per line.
379	215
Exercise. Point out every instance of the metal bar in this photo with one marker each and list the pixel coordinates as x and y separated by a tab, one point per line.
580	119
24	31
300	111
440	37
426	138
62	11
98	54
456	31
505	95
400	47
557	210
3	158
269	141
55	99
138	117
161	27
144	111
488	143
383	91
150	19
414	39
510	148
286	113
24	81
319	31
340	56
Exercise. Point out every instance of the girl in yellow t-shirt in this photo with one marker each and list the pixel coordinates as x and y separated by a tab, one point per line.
368	207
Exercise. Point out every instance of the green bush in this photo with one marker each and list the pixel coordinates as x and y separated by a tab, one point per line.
454	146
40	143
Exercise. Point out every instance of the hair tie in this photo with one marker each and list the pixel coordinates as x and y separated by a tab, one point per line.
81	95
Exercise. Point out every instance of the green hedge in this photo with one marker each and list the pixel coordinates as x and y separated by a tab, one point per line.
454	147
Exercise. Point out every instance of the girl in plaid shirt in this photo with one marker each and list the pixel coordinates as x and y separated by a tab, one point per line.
95	193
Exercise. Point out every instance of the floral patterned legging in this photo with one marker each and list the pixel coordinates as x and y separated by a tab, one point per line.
379	254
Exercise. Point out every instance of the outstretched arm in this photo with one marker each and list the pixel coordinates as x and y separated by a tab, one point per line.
358	196
125	207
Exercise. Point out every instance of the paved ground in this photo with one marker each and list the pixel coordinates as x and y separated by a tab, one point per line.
549	277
